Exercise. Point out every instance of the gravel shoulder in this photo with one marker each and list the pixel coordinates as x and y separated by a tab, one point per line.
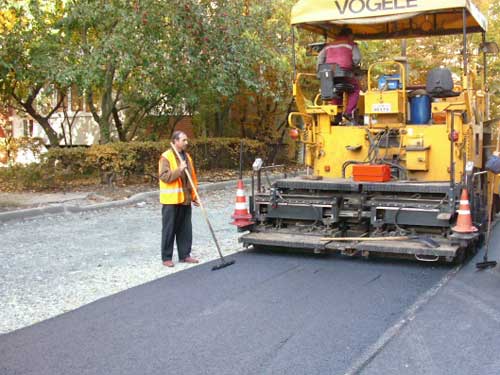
96	194
55	263
11	201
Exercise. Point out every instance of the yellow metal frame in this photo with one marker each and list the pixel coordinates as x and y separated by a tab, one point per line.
383	20
329	146
423	149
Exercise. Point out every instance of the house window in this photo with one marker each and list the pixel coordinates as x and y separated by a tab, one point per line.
28	128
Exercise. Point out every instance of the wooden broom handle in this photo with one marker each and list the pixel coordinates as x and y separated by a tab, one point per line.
205	215
188	175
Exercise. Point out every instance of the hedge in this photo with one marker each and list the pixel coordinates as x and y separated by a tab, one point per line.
124	161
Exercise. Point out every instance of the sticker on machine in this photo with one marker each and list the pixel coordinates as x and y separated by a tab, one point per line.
382	107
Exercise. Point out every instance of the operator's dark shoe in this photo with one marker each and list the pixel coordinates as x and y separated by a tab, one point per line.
337	119
168	263
190	260
348	118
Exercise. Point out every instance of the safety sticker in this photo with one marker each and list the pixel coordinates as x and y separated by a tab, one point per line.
382	107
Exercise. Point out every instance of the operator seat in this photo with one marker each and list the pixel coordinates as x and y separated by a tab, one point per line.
333	81
440	83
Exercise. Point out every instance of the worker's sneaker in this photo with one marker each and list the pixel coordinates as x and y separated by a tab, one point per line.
168	263
190	260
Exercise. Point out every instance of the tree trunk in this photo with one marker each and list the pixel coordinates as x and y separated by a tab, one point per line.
70	122
133	120
122	136
107	105
243	120
45	124
219	126
221	117
104	131
283	127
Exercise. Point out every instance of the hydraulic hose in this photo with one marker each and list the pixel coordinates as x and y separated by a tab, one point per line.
348	163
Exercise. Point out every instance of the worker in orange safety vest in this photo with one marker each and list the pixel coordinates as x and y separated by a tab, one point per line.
176	197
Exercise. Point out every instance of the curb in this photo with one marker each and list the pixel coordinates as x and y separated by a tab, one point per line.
136	198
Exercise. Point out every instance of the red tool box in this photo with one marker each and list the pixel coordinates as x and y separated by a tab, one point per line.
371	172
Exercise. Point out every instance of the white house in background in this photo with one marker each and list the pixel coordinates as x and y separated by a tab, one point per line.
74	123
84	130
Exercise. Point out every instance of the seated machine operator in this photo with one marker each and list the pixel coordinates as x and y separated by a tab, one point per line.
344	52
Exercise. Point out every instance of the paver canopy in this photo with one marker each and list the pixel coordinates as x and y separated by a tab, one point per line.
379	19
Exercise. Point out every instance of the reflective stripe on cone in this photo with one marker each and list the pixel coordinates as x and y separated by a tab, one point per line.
241	215
464	219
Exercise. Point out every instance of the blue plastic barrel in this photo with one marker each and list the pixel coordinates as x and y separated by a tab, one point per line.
420	109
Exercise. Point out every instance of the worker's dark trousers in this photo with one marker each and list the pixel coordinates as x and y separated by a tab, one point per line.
176	224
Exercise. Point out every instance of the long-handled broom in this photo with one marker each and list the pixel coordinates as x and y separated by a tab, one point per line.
488	263
492	165
223	262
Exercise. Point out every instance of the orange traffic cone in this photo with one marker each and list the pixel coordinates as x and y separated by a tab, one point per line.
241	215
464	220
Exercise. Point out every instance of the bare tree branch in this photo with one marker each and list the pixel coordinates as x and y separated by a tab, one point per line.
61	100
89	98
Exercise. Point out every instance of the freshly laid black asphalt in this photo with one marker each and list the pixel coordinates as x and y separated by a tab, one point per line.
269	313
456	333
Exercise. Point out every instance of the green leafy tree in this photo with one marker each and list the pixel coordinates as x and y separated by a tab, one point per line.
134	59
31	60
273	69
249	73
110	44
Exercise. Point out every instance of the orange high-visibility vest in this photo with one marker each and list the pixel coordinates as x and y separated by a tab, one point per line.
172	193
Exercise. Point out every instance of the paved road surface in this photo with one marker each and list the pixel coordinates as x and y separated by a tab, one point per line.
267	314
456	333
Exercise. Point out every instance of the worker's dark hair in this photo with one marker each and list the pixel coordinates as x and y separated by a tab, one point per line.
177	134
345	31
